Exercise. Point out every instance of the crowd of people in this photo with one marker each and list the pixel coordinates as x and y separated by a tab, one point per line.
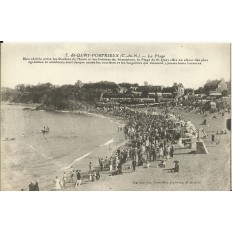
150	136
75	178
33	186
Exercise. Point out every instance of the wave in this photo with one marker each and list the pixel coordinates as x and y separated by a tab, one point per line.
107	143
87	154
63	111
76	160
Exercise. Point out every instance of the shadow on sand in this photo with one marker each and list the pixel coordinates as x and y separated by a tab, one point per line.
187	153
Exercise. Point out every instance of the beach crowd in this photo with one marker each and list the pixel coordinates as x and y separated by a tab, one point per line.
150	136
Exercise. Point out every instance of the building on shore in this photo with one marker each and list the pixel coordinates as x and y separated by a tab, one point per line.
215	86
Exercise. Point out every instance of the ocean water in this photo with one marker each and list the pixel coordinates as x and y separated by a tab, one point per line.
73	140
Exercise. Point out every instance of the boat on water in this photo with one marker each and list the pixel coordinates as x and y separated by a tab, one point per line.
45	130
9	139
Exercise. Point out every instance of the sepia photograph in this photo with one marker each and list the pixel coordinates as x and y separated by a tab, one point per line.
115	117
116	114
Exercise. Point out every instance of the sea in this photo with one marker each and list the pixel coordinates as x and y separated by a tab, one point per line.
73	140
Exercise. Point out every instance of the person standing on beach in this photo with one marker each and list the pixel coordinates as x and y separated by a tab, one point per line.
61	184
36	186
94	174
120	168
57	184
212	138
71	176
78	183
31	187
71	172
90	176
111	165
90	167
171	151
102	164
134	164
64	179
168	151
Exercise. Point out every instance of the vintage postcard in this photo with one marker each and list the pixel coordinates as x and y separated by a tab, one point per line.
115	116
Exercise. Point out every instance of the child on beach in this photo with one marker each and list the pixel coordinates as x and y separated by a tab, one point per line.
176	167
162	164
97	176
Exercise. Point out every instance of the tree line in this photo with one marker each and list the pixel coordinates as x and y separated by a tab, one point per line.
65	97
84	95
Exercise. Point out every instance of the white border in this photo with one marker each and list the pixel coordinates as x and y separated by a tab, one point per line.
115	21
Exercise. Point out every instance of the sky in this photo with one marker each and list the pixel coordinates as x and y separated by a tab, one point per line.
16	71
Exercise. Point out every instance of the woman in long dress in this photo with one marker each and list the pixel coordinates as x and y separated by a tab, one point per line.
57	184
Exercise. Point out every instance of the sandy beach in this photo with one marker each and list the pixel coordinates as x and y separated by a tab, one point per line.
197	171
